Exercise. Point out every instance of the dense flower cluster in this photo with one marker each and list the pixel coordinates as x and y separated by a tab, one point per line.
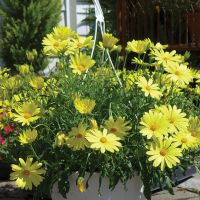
90	117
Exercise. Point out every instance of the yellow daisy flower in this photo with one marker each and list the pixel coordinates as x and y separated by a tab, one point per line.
138	46
27	113
63	33
103	141
194	128
164	153
76	138
81	184
61	139
109	41
5	108
82	42
159	46
175	117
24	69
149	88
84	106
37	83
27	174
12	83
80	63
54	46
183	139
179	73
28	136
154	124
93	124
165	58
118	127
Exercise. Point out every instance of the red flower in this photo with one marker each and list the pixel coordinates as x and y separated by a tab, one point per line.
8	129
2	141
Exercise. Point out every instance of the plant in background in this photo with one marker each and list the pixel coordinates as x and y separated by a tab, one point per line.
24	24
81	120
108	7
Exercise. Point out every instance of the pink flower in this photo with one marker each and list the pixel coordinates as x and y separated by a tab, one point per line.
8	129
2	141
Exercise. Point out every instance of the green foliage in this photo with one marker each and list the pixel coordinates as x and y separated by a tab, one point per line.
55	97
25	23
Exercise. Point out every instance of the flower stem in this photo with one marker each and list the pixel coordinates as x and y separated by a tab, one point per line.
35	154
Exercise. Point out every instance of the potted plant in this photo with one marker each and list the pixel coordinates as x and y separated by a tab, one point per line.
89	125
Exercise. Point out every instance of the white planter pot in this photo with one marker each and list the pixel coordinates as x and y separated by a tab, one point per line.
133	190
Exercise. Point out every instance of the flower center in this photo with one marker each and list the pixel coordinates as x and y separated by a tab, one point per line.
172	120
81	67
163	152
26	172
79	136
27	115
113	130
148	88
184	140
177	73
56	44
165	58
194	133
153	127
103	140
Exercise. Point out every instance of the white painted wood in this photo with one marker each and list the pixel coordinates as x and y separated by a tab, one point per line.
133	191
69	14
82	13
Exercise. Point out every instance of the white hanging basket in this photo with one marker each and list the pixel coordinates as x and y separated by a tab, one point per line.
133	191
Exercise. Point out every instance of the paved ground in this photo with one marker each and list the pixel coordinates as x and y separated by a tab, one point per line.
188	190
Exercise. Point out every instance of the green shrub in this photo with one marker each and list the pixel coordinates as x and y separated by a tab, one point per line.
25	23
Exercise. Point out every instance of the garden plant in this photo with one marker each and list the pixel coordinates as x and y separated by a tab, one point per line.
24	24
88	117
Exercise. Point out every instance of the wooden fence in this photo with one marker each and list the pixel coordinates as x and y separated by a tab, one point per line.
179	27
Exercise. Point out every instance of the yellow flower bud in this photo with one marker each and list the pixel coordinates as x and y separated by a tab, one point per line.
80	184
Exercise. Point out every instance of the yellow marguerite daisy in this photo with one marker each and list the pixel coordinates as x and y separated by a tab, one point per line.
109	41
103	141
84	106
118	127
12	83
82	42
24	69
164	153
80	63
175	117
194	128
61	139
28	136
93	124
37	83
28	112
179	73
5	108
76	138
165	58
149	88
27	174
54	46
138	46
63	33
81	184
154	124
183	139
159	46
